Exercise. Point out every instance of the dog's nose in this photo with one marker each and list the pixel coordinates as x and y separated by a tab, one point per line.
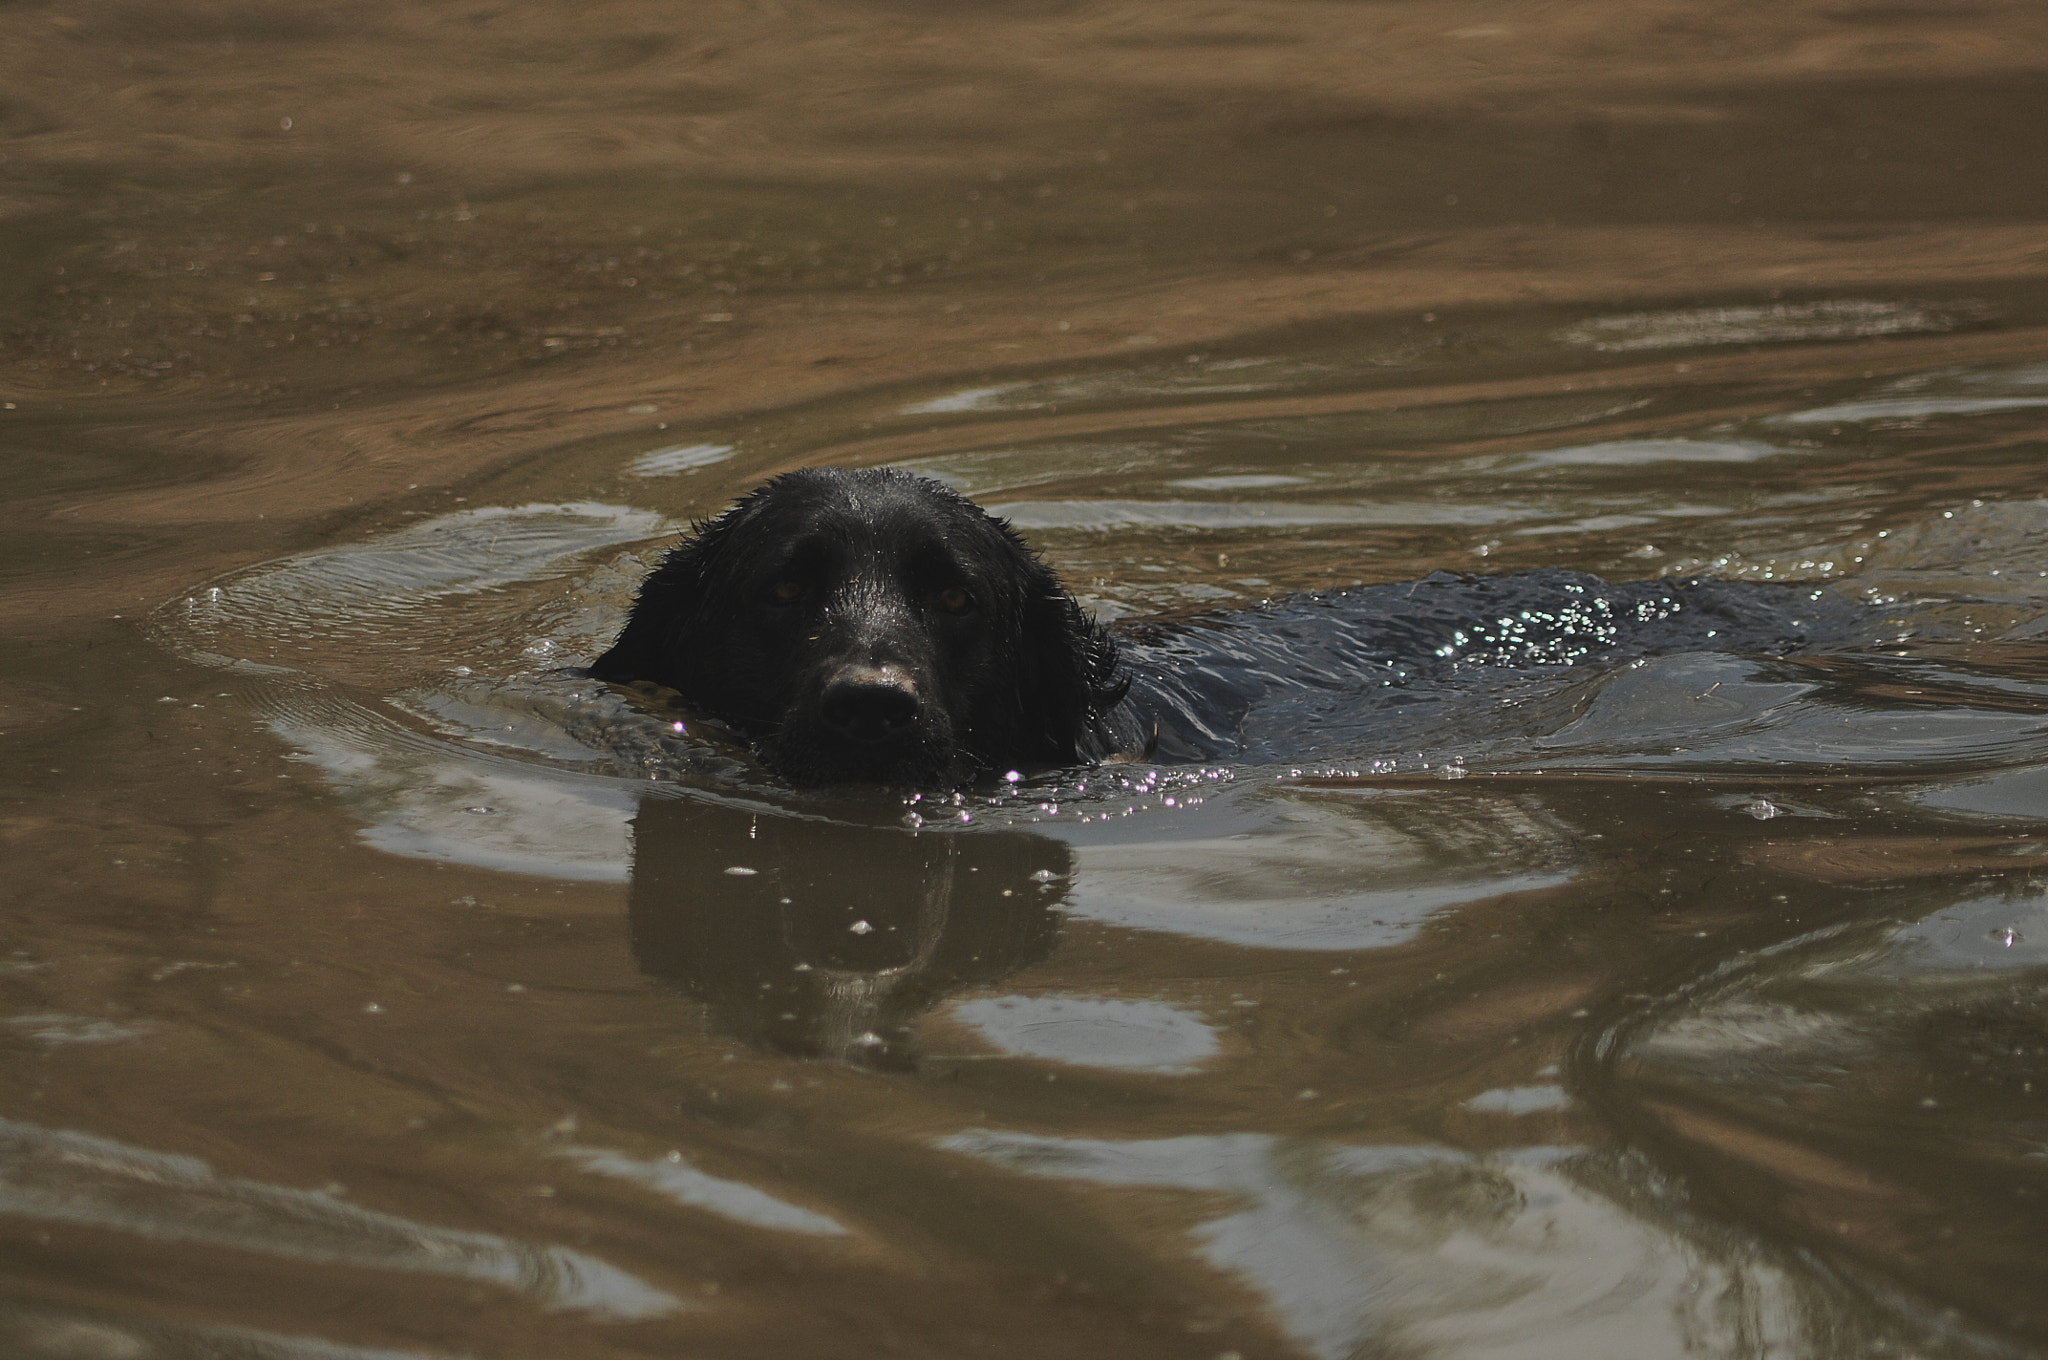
868	703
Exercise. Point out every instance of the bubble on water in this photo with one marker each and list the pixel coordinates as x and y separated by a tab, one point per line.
1763	809
2007	936
861	928
742	871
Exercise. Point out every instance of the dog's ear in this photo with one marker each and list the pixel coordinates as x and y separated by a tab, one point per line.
670	596
1067	678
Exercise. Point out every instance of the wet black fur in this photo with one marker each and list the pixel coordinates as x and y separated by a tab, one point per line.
828	573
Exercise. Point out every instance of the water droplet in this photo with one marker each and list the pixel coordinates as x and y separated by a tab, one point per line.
2007	936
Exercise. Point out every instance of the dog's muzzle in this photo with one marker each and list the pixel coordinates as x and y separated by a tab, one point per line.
872	705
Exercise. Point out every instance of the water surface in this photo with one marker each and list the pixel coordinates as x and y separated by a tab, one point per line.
377	986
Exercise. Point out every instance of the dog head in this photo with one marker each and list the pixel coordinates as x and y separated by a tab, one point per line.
872	626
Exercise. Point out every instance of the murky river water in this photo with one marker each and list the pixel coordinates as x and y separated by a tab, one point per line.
375	986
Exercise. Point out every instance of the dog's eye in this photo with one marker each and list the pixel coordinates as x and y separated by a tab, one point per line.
786	592
954	600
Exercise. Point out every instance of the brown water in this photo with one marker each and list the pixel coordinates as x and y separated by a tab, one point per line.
364	996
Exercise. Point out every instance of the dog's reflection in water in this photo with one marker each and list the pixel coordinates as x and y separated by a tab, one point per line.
830	939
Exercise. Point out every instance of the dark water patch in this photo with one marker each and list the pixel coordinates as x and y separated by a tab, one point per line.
755	915
1841	150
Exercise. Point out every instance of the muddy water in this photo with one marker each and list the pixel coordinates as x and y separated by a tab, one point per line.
374	986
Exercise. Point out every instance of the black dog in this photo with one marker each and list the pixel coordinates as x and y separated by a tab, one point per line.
873	626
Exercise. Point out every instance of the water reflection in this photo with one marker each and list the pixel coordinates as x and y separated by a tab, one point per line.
74	1178
1630	453
1284	868
35	1332
674	1179
1417	1250
1093	1031
1877	1087
1779	324
682	458
831	939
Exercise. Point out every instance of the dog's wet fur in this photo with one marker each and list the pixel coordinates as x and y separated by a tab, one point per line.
873	626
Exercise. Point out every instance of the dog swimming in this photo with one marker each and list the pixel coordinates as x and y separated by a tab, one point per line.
875	626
